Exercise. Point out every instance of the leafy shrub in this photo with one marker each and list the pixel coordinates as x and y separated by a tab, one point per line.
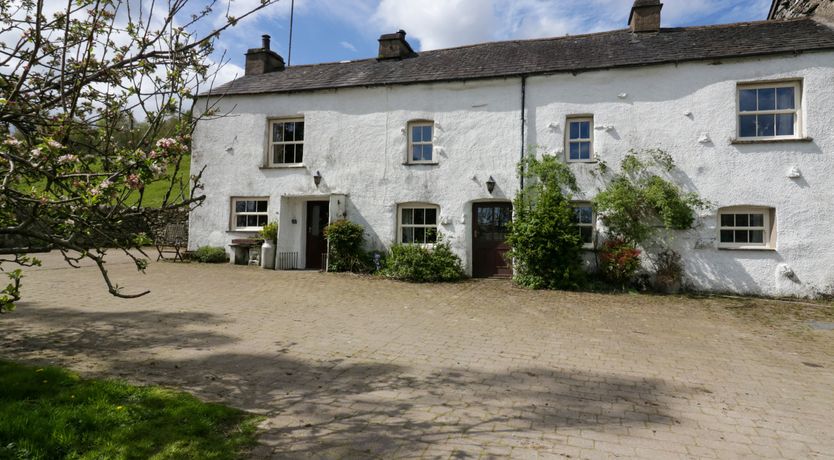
546	246
209	255
346	242
619	262
419	264
269	232
668	271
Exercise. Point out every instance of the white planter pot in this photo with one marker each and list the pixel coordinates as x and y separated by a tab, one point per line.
268	255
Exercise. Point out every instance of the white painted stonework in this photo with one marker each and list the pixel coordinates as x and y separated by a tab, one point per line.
355	138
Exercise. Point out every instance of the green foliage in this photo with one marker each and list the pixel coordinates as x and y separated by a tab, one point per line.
269	232
209	255
637	200
419	264
11	293
50	413
545	241
619	262
346	241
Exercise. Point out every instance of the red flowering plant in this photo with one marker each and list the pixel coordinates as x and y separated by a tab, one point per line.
619	262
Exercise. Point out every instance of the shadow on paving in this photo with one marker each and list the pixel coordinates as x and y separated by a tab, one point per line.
355	409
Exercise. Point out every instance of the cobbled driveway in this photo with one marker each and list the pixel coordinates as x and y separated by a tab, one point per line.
354	367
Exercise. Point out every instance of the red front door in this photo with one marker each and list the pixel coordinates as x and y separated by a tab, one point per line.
318	214
489	240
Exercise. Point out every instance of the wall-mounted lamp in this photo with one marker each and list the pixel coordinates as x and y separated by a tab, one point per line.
490	183
317	178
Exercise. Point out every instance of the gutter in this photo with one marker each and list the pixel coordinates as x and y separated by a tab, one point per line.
523	125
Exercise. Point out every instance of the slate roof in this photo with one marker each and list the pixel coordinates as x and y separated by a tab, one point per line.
619	48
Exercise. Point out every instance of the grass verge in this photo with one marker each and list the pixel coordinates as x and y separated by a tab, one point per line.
51	413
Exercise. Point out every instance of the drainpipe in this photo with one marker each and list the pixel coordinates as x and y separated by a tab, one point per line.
523	123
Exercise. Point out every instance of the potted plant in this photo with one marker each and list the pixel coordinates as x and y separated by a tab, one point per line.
269	233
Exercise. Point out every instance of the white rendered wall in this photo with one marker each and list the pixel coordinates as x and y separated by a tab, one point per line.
354	138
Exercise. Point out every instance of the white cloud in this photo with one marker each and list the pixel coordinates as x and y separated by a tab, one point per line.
348	46
439	23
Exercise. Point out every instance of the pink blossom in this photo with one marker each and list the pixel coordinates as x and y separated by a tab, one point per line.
133	181
54	144
68	158
12	142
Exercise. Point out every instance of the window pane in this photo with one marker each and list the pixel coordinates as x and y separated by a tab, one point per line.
262	206
416	134
431	235
585	215
727	220
757	220
585	129
742	220
747	125
289	132
587	234
240	221
574	151
757	236
766	124
299	131
785	98
251	206
277	132
408	218
278	153
419	216
427	137
727	236
741	236
427	151
251	221
289	154
299	153
416	152
767	99
240	206
419	235
784	125
431	216
585	150
261	221
747	100
408	235
574	130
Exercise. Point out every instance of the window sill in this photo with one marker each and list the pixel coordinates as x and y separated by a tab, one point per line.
582	162
743	141
287	166
433	163
243	231
730	248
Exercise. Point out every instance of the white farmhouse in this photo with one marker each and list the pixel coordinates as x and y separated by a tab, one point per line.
413	146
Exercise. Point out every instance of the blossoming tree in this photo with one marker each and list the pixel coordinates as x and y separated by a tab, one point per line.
73	77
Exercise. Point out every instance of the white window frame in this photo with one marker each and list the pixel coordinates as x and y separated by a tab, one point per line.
270	155
401	225
767	228
592	225
589	139
410	153
796	111
234	214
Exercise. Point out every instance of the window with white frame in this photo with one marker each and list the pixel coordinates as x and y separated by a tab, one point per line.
420	147
769	111
579	142
249	214
745	227
418	223
585	221
286	142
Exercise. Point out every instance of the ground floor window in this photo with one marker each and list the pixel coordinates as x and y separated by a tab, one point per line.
584	218
418	224
745	227
249	214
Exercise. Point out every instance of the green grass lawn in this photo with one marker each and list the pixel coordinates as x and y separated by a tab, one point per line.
51	413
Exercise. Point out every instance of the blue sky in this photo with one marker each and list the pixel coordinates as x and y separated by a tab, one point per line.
334	30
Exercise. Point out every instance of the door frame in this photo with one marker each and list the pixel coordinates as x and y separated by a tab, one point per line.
472	221
307	203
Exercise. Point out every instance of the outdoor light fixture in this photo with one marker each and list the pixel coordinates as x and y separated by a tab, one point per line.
317	178
490	183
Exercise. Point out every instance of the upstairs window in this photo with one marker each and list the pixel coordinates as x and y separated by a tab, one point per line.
418	224
584	219
769	111
745	228
249	214
579	143
420	147
287	142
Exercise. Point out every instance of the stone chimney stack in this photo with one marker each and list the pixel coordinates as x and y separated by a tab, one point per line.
394	46
645	16
263	60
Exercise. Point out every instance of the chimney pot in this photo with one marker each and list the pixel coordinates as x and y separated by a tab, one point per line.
645	16
394	46
263	60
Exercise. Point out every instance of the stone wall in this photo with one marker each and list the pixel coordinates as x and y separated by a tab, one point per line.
789	9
